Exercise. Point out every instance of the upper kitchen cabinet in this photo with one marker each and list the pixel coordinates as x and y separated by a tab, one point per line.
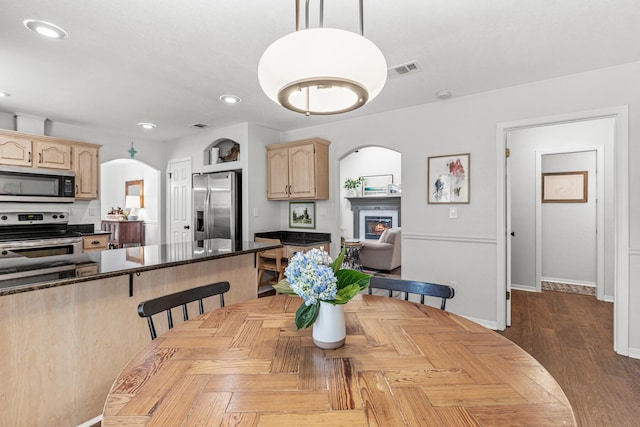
51	155
15	151
85	165
298	170
46	152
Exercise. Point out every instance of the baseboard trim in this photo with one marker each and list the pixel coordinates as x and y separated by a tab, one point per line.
483	322
523	288
634	353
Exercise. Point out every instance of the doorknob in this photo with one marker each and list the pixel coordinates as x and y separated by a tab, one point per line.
186	227
513	234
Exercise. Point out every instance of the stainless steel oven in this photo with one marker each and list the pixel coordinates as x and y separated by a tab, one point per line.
36	234
28	274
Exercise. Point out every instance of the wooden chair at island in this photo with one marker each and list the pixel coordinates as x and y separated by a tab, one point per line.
412	287
167	302
270	260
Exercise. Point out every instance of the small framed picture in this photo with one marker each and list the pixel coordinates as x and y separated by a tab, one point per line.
302	215
448	178
376	185
564	187
393	189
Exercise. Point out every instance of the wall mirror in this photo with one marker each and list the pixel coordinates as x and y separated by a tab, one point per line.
135	188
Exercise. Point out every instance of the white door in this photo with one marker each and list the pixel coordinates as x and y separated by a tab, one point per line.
180	201
507	230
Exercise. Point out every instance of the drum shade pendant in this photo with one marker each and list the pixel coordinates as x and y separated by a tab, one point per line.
322	71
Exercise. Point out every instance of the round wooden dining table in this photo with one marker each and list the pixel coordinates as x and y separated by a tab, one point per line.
403	363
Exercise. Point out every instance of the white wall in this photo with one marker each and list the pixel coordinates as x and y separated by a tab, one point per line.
569	229
440	249
524	143
365	161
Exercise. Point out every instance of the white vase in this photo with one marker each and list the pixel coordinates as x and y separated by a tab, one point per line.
329	330
352	192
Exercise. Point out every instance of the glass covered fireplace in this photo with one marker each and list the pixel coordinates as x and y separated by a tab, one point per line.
374	222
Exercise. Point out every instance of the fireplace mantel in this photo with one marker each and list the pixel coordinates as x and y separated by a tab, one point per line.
373	203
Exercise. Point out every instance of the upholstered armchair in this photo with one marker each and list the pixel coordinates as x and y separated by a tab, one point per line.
383	254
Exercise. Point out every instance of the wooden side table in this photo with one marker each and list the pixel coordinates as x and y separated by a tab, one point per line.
129	233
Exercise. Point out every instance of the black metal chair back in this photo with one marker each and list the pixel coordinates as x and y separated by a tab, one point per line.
167	302
411	287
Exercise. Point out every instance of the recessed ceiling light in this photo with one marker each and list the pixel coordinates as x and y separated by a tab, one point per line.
230	99
147	125
443	94
46	29
4	94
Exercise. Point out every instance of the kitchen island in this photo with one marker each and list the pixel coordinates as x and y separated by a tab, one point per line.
65	340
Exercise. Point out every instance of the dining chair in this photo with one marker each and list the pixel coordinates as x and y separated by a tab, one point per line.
167	302
270	260
412	287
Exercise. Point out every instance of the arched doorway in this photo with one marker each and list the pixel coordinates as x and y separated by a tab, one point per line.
113	176
381	169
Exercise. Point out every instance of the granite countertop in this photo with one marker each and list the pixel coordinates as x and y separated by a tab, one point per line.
298	238
86	229
115	262
95	233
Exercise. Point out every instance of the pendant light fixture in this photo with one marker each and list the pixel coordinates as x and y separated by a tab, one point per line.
322	71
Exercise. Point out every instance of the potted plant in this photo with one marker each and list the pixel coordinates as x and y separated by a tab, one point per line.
325	287
351	185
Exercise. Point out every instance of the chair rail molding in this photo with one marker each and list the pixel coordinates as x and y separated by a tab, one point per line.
458	238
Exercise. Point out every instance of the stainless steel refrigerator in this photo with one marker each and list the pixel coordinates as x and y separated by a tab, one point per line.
217	206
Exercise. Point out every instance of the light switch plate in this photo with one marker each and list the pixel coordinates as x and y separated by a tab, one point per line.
453	212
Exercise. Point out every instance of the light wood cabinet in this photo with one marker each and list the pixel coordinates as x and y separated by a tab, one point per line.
52	155
298	170
15	151
46	152
85	165
86	269
94	243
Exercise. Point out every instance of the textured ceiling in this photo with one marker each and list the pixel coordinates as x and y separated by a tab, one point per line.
167	62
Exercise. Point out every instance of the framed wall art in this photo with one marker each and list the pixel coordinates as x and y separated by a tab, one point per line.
564	187
394	189
376	185
448	178
302	215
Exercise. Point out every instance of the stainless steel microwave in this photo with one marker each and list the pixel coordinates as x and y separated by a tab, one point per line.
36	185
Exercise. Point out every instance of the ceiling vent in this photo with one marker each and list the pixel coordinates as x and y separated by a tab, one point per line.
403	69
199	125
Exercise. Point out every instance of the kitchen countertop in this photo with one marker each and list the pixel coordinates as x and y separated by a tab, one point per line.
298	238
117	262
86	229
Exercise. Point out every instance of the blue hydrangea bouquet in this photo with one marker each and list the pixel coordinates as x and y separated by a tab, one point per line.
315	277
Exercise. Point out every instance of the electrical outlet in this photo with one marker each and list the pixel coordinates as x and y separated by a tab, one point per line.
453	212
70	211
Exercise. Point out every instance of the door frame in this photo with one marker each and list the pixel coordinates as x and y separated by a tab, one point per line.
621	213
600	173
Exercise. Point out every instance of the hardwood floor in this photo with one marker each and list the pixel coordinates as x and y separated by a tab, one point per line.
572	336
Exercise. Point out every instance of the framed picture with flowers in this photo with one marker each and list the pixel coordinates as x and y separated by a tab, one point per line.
448	179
